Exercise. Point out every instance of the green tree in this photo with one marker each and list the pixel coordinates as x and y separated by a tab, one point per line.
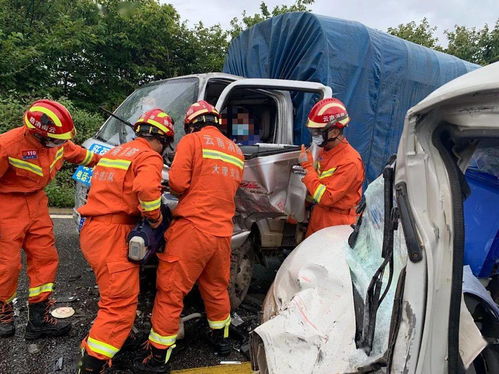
246	21
422	33
206	48
12	108
466	43
95	52
480	46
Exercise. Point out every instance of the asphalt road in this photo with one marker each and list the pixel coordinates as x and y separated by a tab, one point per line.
75	280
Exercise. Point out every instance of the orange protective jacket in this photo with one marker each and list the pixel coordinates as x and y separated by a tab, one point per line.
127	180
335	186
126	183
27	166
206	174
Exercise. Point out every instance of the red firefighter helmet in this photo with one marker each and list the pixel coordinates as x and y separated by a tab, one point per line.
200	112
157	122
328	113
49	119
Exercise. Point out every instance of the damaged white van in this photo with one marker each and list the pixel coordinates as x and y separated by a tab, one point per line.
387	296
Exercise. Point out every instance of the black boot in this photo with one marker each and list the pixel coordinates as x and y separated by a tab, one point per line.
6	320
41	323
133	342
132	345
155	363
89	364
221	343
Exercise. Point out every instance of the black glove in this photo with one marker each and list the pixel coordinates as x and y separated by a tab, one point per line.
156	223
165	187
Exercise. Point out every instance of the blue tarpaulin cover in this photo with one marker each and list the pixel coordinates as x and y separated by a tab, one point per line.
378	76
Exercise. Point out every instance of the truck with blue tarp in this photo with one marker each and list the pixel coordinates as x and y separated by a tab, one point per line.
379	77
273	74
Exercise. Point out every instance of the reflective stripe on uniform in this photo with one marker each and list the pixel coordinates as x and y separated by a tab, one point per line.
216	325
20	164
88	158
327	173
319	191
116	164
58	156
225	157
219	324
150	205
169	353
11	298
102	348
35	291
163	340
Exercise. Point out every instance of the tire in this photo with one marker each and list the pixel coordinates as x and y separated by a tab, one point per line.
241	271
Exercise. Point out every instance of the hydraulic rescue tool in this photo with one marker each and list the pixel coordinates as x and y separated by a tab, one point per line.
144	241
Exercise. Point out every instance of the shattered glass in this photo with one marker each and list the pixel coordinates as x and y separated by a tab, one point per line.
365	258
309	318
486	159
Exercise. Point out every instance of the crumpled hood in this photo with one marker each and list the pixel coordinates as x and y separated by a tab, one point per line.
315	329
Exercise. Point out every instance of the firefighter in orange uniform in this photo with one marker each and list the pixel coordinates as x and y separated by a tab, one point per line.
30	157
126	184
205	174
335	183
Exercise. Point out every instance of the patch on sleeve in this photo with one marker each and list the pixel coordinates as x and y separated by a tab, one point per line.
30	155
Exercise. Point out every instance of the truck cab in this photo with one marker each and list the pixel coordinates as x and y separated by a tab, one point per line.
258	115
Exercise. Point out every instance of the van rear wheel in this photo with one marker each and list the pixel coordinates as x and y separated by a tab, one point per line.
241	271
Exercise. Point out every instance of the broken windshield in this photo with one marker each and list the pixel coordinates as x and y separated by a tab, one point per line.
173	96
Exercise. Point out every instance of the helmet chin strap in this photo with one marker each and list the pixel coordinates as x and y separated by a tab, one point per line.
330	139
165	153
326	139
191	128
166	144
167	147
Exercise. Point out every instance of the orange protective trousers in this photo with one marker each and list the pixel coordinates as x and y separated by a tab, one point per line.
105	248
25	224
191	256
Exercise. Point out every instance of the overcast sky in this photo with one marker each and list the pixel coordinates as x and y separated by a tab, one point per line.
379	14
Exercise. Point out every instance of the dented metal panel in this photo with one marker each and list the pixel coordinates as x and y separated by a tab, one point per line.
264	188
